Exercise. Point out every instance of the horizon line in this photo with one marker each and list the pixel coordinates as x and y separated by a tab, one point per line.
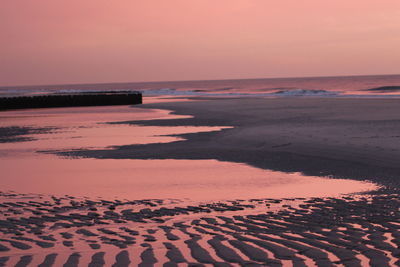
198	80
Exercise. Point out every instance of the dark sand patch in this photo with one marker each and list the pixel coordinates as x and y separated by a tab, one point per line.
49	260
122	259
327	137
24	261
73	260
3	261
97	260
21	133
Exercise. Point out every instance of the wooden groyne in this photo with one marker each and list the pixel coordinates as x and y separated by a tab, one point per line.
71	100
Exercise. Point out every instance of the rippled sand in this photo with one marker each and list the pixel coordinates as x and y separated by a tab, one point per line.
72	211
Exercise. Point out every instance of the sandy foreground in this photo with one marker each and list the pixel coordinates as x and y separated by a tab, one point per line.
344	138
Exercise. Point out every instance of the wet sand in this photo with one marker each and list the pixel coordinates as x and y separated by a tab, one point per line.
200	180
316	137
38	230
346	138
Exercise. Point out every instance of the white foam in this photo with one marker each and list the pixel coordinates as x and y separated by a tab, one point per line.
283	93
280	93
171	92
304	92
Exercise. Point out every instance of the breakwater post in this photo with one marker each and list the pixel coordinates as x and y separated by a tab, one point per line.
71	100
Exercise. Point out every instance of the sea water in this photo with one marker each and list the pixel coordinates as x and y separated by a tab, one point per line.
346	86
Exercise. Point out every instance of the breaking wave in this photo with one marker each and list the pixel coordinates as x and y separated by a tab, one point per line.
303	92
281	93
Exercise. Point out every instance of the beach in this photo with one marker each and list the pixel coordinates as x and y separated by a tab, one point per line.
205	180
199	133
346	138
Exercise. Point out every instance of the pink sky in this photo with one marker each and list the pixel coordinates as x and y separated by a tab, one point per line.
88	41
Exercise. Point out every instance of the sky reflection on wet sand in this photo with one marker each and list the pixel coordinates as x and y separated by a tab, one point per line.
25	171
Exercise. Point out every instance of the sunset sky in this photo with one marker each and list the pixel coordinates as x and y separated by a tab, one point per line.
91	41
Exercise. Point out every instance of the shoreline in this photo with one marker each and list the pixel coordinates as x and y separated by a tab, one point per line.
340	138
92	128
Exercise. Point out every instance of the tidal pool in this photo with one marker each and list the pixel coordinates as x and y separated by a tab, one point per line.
24	170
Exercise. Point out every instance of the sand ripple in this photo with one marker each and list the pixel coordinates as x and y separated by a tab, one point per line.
354	230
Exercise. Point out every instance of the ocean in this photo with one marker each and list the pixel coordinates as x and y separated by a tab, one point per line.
345	86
